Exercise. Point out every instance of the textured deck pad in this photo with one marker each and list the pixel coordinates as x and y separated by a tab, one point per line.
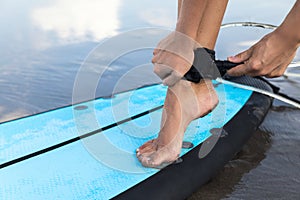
25	136
100	166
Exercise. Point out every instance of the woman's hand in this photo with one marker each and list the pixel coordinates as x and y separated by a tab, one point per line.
269	57
173	57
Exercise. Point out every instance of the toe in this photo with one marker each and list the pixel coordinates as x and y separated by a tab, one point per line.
146	151
145	146
156	160
145	160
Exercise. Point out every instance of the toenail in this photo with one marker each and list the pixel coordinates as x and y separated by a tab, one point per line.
147	160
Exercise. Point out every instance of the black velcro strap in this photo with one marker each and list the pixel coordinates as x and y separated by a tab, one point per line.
205	66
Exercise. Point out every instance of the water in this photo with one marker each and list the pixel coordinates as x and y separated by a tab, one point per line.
44	43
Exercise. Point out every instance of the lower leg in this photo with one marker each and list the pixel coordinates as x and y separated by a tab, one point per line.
185	101
210	23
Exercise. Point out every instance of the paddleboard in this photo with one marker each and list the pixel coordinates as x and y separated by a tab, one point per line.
87	150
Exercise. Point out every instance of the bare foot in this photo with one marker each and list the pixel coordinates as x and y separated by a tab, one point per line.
185	101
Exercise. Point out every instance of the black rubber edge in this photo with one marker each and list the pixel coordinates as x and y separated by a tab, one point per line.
179	181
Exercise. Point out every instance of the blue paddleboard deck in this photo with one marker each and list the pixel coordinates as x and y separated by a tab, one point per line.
69	154
180	181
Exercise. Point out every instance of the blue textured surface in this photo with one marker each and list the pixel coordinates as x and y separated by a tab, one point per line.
100	166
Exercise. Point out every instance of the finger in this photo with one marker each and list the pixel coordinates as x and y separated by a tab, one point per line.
155	51
241	57
155	58
161	43
172	79
162	71
239	70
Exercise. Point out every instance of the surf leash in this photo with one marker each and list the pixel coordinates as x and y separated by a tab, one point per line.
216	69
264	92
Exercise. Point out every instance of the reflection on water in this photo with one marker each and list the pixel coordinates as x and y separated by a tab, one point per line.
77	21
249	158
267	167
43	44
258	11
237	39
278	175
